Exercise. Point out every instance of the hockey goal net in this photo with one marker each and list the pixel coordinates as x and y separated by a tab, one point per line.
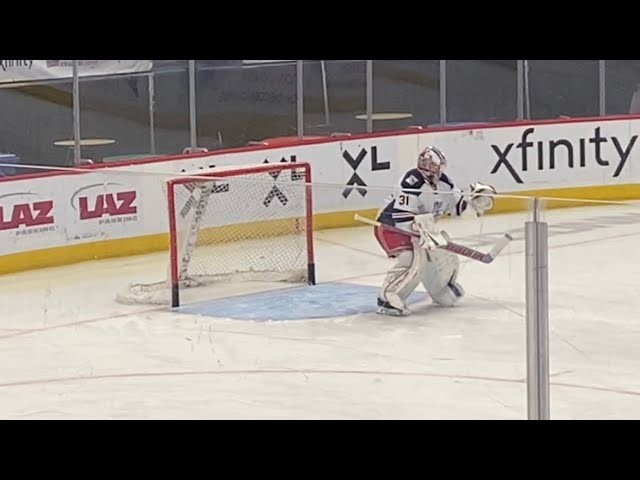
249	223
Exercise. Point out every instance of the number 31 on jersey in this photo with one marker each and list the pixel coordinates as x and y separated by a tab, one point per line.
403	199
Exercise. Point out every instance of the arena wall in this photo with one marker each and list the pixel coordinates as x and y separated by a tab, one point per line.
119	209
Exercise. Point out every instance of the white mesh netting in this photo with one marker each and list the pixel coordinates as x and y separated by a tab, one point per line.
241	225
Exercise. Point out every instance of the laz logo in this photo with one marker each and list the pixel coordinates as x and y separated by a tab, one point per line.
108	206
355	163
26	215
111	204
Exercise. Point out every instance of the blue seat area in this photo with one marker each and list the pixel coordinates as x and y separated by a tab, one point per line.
8	158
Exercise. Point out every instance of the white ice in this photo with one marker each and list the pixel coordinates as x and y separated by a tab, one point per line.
68	350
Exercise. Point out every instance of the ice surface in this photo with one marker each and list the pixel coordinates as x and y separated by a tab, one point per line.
68	350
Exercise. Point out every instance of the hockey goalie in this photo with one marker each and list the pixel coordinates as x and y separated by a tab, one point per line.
424	196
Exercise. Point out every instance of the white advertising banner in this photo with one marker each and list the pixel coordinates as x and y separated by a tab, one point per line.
12	71
533	157
348	174
66	209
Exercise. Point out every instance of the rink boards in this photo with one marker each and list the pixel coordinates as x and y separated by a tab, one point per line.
120	209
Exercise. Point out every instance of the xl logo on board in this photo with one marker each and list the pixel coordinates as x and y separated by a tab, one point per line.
544	154
355	163
275	192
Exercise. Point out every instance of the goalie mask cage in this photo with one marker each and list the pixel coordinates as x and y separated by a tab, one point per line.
246	223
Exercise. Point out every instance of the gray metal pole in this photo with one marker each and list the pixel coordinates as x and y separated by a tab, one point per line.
369	96
525	81
537	287
77	154
325	93
443	92
602	87
300	96
520	88
193	127
152	99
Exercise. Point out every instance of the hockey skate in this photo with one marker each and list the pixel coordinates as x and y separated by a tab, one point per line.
385	308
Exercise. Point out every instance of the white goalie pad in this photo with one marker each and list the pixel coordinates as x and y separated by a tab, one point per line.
439	277
404	277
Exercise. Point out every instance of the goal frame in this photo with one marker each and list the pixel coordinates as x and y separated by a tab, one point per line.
233	172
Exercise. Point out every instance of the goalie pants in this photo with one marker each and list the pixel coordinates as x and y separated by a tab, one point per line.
392	242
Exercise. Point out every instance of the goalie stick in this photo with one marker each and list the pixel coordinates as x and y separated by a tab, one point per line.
450	246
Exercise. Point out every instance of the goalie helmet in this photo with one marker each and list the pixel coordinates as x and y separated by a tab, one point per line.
431	163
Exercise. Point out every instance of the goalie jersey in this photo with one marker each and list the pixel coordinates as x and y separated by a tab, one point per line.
417	196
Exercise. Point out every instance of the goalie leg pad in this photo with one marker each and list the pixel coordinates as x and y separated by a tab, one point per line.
402	280
439	278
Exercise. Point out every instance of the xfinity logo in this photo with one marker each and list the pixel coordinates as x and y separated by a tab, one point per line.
543	154
4	64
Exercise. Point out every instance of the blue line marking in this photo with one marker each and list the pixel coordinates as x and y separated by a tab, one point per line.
303	303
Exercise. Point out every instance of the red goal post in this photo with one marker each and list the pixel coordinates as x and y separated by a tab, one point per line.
294	217
250	222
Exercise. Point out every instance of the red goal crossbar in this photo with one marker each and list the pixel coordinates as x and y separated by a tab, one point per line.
227	172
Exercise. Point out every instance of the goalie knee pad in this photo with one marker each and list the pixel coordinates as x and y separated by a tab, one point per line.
449	295
440	276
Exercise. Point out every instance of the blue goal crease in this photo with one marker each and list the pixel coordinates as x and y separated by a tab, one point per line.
298	303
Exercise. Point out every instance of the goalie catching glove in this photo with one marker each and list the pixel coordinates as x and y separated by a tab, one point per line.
481	197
